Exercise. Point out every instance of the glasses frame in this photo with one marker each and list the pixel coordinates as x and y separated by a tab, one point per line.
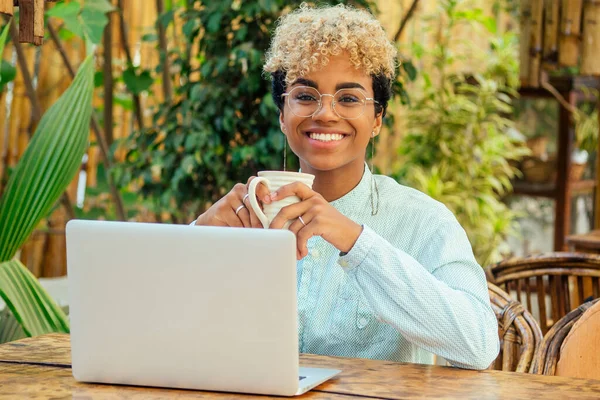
333	102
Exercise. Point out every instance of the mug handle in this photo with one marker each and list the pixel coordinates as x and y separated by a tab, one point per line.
254	203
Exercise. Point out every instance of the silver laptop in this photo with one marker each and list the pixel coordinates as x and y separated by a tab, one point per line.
189	307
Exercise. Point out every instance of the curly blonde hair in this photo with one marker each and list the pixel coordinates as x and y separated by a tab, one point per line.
305	39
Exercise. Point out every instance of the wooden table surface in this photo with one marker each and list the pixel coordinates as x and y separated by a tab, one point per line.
40	367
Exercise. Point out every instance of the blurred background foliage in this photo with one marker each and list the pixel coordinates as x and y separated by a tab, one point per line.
457	149
186	111
222	126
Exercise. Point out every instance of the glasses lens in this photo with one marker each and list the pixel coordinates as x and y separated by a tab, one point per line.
303	101
350	103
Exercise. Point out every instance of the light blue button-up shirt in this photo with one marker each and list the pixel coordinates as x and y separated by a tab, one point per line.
408	288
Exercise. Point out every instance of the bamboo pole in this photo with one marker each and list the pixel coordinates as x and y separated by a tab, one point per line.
7	7
570	29
38	22
108	81
590	52
137	104
525	40
26	18
551	23
95	127
164	54
535	46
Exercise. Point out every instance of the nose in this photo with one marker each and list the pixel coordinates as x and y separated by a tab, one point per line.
325	112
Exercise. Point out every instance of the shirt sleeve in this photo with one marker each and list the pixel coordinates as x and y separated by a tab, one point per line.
439	302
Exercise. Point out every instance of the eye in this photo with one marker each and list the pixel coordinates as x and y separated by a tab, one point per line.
305	97
348	98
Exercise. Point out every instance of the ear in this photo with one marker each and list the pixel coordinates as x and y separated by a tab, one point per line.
377	123
281	122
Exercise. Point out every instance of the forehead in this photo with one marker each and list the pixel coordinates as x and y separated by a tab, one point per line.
339	71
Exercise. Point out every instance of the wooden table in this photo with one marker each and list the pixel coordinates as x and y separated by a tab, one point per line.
41	368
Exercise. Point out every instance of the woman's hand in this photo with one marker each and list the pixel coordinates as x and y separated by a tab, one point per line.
313	216
234	209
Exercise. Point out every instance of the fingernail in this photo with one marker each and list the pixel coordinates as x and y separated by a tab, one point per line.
267	199
273	195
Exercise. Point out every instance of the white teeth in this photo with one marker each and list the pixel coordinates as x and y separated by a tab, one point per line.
326	137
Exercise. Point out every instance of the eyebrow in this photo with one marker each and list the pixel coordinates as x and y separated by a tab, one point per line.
313	84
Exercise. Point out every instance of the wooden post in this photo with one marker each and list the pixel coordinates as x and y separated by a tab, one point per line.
570	29
6	7
38	22
551	13
525	40
535	46
590	52
27	14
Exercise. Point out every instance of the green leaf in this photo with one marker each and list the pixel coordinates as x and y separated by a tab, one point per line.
87	21
166	18
98	79
124	101
410	69
29	303
69	13
137	83
49	163
150	37
101	6
94	21
214	22
10	329
64	10
3	36
7	73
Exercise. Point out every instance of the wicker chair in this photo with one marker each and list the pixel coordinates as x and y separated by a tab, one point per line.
567	279
545	360
520	335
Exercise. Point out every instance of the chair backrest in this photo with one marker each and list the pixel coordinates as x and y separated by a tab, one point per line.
549	285
520	335
547	357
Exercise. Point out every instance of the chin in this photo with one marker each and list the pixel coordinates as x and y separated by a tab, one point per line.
323	163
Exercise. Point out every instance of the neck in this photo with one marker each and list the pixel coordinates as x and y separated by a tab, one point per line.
335	183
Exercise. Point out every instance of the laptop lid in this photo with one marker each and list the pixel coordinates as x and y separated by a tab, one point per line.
182	306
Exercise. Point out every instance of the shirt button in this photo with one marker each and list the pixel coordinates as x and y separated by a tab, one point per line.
315	253
362	322
344	264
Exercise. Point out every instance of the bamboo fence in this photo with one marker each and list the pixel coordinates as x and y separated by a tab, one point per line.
45	253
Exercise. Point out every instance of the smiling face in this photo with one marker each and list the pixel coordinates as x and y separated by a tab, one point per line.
326	142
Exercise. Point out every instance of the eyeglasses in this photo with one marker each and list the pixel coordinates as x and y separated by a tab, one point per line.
306	101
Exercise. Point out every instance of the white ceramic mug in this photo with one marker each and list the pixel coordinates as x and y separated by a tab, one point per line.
274	180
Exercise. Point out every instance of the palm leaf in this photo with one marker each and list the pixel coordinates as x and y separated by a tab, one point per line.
9	327
48	164
3	36
28	301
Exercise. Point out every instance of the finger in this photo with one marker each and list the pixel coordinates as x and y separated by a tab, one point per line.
298	189
289	213
302	238
254	221
231	219
244	216
297	224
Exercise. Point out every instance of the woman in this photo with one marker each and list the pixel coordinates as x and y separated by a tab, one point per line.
384	271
